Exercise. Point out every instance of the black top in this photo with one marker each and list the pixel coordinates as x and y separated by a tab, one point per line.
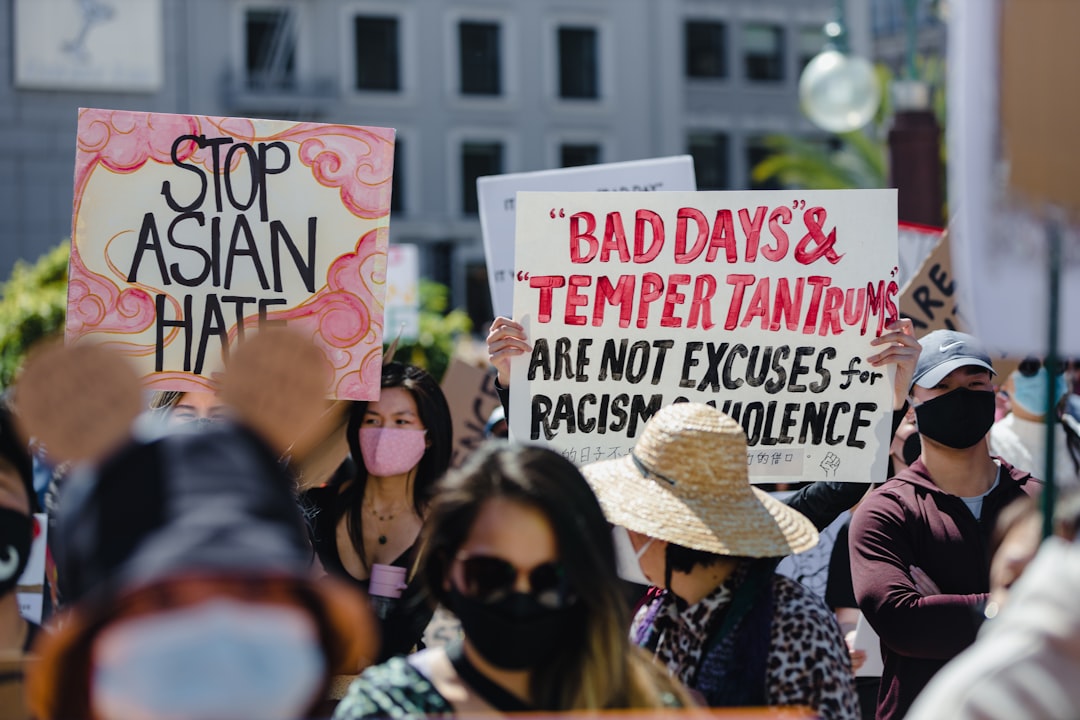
403	628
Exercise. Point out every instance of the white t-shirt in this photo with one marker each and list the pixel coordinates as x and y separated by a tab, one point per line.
1022	444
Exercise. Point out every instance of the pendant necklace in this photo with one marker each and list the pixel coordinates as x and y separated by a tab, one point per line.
381	518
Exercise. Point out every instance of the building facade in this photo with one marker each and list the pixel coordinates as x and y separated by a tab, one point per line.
473	88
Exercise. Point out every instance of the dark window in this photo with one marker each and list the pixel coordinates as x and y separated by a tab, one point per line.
270	39
756	152
376	53
706	49
477	160
397	181
711	152
578	63
478	294
574	155
763	48
811	42
479	46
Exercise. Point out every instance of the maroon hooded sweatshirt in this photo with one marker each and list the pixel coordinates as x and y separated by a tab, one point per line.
911	521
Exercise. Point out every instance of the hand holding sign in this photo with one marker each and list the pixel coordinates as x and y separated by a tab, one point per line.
506	340
902	350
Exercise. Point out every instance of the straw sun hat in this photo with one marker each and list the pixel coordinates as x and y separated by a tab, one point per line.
685	482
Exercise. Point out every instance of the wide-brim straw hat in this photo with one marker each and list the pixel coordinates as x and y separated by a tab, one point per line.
685	482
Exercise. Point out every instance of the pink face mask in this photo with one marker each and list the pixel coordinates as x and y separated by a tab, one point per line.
391	451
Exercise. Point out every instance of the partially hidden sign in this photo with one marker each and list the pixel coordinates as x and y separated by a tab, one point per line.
470	393
191	231
761	303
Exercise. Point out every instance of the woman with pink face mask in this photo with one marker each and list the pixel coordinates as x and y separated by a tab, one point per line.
365	521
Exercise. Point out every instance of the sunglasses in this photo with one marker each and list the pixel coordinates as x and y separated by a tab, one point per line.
489	579
1030	366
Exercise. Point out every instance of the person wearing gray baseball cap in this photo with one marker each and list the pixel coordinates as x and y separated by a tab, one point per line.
918	543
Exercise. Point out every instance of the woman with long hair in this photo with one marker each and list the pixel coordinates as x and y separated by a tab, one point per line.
369	515
516	546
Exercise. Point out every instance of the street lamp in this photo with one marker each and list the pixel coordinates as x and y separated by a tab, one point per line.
838	91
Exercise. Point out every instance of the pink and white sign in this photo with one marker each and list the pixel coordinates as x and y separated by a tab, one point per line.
189	231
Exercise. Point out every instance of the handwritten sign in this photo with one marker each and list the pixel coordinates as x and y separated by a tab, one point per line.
914	245
930	298
190	231
470	392
761	303
497	210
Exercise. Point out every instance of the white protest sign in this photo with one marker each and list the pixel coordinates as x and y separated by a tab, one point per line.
763	303
402	292
30	588
497	218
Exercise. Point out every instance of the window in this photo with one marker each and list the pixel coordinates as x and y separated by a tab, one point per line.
811	42
479	62
706	49
573	155
756	152
397	181
763	48
710	151
477	160
376	53
270	48
578	64
478	294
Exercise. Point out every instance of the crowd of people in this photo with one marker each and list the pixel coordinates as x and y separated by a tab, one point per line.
193	575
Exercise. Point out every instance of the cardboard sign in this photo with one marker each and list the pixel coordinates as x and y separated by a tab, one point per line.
1014	178
930	298
470	392
914	245
190	231
762	303
498	218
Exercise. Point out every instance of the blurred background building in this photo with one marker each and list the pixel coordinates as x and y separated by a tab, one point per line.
474	87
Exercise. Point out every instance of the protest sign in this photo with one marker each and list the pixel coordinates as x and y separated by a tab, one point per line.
403	292
1013	176
762	303
470	392
930	298
190	231
496	201
914	245
30	587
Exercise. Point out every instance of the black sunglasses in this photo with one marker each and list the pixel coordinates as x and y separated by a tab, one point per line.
489	579
1030	366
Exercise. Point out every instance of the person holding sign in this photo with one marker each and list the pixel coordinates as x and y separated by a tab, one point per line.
367	522
918	543
722	621
516	546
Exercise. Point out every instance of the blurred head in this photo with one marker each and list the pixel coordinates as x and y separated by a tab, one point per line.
516	544
190	407
1027	387
411	400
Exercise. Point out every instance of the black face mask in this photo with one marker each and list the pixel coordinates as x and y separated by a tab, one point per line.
516	632
16	536
957	419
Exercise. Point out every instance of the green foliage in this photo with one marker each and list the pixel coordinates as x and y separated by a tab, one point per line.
439	331
33	306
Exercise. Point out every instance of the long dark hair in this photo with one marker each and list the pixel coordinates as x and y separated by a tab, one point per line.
434	413
596	667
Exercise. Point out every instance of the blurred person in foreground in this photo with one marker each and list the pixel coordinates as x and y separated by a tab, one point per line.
919	542
186	556
517	547
722	620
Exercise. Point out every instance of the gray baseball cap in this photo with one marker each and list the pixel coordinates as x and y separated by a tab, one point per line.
945	350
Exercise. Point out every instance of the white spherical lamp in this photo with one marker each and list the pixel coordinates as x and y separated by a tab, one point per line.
839	92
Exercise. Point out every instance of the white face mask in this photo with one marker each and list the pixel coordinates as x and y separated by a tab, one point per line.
219	660
627	560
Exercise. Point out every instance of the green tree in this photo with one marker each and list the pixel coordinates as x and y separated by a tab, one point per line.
439	331
33	306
